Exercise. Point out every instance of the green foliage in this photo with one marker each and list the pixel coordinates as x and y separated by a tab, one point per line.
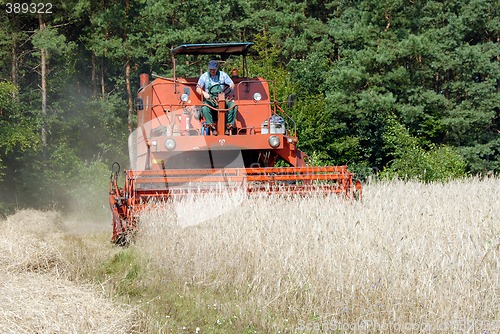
63	181
93	127
267	64
88	196
17	132
352	65
73	185
310	74
422	62
51	40
411	161
319	158
483	158
55	177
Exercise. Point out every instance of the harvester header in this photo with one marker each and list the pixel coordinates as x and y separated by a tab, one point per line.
227	134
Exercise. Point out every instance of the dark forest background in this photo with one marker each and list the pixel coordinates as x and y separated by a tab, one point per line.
396	87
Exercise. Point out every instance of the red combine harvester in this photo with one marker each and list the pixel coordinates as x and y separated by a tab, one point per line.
173	152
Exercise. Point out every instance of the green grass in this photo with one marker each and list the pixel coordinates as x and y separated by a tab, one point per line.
169	305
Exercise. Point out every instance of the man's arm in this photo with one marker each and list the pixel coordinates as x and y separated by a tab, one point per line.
200	90
228	81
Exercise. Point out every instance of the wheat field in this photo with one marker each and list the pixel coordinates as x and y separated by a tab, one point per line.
408	258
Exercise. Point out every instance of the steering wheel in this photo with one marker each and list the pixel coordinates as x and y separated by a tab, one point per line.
224	88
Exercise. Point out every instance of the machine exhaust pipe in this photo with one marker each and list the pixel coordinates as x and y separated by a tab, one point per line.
143	80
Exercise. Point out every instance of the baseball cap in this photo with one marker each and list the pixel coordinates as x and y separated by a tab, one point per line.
212	65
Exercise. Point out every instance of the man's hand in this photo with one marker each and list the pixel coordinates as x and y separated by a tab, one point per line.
200	91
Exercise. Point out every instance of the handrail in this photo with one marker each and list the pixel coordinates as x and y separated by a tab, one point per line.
276	105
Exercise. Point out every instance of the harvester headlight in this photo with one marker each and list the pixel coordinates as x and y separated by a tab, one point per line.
170	144
257	97
184	97
274	141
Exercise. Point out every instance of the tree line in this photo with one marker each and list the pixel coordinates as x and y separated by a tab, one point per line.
397	87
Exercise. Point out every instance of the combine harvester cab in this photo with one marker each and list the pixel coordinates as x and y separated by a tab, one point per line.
173	152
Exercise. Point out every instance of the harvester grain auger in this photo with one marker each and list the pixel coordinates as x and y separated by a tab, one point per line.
173	152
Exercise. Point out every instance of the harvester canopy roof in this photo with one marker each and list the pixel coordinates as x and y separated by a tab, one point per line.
213	48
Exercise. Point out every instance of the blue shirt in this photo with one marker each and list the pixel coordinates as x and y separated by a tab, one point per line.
206	81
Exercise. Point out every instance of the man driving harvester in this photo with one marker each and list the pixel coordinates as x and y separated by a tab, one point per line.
210	84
